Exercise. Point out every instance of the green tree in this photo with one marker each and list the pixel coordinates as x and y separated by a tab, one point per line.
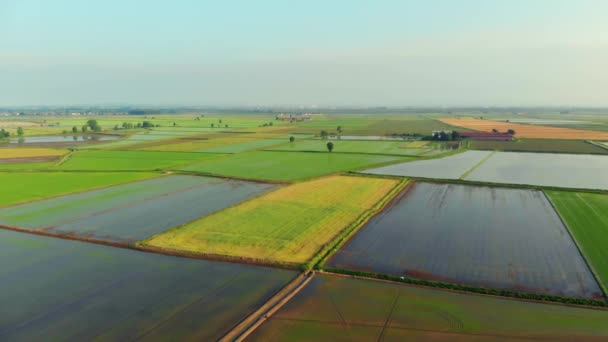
212	125
74	129
330	146
97	128
292	139
20	131
339	129
92	123
4	133
84	128
511	131
324	134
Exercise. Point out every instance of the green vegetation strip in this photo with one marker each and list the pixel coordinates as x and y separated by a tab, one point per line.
472	289
586	216
477	165
21	187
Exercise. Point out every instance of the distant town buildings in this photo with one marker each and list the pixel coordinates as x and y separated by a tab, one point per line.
295	117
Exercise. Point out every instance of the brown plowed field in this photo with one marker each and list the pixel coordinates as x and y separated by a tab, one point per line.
526	131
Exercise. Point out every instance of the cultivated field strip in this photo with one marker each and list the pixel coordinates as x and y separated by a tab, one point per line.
54	289
286	166
341	308
21	187
527	131
132	212
452	167
488	237
586	214
289	225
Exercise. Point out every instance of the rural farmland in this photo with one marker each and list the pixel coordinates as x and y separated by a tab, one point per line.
238	171
147	223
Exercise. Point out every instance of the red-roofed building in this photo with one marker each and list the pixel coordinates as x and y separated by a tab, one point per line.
487	136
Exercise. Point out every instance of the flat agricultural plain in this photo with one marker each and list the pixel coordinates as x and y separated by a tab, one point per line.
586	215
30	186
526	131
451	167
285	166
132	212
130	160
345	309
54	289
290	224
488	237
545	169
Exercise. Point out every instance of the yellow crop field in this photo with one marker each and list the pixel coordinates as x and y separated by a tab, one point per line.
290	224
8	153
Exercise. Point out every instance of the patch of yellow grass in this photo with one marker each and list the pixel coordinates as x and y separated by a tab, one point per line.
415	144
6	153
290	224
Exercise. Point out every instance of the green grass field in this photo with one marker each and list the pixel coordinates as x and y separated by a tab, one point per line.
539	145
586	215
288	225
29	186
287	166
130	160
349	146
345	309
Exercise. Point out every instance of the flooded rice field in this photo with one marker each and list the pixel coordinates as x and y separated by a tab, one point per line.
451	167
132	212
60	290
488	237
546	169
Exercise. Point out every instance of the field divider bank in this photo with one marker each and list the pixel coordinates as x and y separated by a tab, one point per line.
321	257
263	313
482	183
477	165
579	247
459	288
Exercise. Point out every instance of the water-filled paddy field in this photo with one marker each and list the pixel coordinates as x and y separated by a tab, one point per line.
54	289
451	167
345	309
488	237
546	169
134	211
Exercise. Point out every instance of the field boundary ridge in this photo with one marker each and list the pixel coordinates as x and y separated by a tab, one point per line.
460	288
241	331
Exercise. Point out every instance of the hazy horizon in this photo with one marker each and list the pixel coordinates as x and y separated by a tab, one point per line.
274	53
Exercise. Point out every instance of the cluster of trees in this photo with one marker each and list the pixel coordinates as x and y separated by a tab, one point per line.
443	136
267	124
4	133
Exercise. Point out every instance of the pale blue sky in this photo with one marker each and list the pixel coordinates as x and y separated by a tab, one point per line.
394	53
